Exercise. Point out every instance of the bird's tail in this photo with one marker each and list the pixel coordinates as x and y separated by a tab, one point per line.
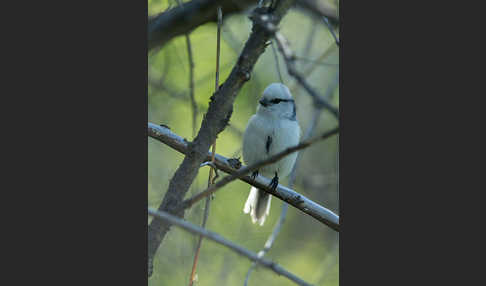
258	205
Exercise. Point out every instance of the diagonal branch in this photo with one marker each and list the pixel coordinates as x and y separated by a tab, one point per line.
293	198
331	29
214	122
223	241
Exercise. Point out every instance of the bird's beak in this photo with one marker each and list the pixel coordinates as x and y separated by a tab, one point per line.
263	102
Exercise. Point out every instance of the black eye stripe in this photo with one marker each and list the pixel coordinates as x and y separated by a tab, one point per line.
278	100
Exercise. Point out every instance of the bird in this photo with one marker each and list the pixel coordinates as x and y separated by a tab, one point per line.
272	129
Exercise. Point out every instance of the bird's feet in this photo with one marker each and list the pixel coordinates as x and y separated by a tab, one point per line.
274	183
254	175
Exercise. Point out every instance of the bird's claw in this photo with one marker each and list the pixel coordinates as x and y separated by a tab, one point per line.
274	183
254	175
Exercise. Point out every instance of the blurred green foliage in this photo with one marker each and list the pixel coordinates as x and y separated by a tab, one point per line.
305	247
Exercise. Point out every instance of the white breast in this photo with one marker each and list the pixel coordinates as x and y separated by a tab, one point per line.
284	133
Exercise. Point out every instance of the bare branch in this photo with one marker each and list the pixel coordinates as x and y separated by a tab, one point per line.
214	122
223	241
295	199
316	62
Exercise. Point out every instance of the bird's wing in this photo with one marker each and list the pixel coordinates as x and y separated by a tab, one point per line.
254	141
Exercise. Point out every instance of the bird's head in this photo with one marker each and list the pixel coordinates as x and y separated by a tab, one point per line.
277	102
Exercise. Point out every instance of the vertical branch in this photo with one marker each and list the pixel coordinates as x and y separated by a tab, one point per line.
194	110
211	177
276	62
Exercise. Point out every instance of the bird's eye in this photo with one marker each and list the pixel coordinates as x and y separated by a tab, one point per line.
275	100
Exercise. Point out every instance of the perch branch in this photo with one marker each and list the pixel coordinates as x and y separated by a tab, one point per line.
295	199
223	241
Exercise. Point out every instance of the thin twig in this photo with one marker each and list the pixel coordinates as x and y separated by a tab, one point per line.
317	62
223	241
299	201
194	110
276	62
331	29
191	78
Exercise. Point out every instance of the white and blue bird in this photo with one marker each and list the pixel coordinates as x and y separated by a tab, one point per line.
271	130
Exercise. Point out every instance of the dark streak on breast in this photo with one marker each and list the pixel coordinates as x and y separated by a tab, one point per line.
269	142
